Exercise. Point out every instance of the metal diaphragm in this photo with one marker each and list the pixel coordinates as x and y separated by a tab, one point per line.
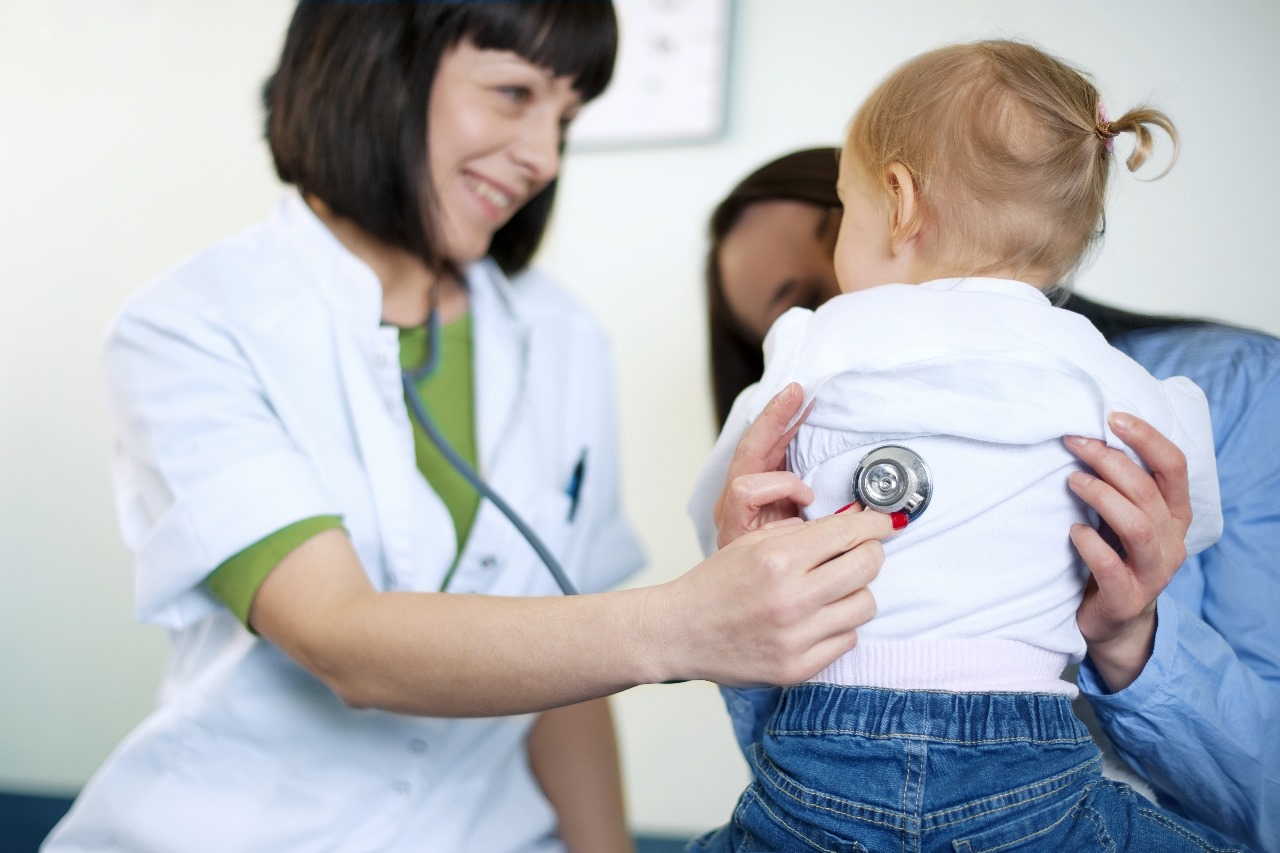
893	478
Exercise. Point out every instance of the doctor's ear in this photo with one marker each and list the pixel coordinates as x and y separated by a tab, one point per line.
905	221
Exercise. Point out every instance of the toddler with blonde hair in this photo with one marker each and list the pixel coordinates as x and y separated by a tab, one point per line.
973	181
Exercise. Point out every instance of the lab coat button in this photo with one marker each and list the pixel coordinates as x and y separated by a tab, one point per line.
418	745
891	479
488	561
402	788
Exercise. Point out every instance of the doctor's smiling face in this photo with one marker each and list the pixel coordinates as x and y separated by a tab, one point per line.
496	128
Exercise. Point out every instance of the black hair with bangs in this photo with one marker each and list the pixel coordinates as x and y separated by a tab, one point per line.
346	109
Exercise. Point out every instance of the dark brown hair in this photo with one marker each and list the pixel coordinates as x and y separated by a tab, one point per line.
346	109
806	176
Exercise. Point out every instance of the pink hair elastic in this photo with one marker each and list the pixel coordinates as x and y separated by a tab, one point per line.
1104	131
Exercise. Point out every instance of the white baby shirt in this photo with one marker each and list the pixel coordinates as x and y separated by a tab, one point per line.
981	378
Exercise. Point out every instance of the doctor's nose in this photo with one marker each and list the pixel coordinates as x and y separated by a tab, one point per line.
539	150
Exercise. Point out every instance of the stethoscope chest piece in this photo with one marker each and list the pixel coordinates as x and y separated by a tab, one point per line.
893	479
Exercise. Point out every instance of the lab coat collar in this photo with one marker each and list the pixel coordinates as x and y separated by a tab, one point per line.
502	335
501	331
346	282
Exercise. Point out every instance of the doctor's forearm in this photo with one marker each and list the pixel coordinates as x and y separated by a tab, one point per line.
437	654
774	607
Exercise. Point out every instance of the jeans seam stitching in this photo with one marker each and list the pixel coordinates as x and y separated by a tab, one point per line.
933	738
1038	832
788	827
1180	830
772	774
1058	783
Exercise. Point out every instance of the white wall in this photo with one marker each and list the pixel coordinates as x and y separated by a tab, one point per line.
129	137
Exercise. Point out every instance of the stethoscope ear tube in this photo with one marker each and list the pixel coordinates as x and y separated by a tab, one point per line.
418	408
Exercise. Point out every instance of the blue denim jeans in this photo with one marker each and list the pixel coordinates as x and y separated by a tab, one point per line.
862	769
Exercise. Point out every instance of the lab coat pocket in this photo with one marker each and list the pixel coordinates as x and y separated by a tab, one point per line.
552	523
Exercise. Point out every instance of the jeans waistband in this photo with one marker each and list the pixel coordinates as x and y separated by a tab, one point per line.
828	709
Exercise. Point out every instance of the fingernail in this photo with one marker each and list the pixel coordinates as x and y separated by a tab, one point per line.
899	520
1079	479
787	393
1120	422
843	508
1074	441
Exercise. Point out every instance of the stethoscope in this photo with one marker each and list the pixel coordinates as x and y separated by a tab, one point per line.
890	478
418	409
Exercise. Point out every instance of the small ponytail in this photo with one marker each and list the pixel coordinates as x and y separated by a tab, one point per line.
1135	121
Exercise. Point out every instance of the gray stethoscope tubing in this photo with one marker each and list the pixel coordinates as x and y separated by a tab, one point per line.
418	409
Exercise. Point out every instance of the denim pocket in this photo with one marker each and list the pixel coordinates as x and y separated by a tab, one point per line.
1060	824
763	827
1109	816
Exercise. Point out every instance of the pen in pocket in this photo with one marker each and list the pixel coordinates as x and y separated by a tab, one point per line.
574	489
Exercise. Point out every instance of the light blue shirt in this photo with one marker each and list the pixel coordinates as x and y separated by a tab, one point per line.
1202	722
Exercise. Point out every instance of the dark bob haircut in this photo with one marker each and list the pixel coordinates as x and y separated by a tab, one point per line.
346	109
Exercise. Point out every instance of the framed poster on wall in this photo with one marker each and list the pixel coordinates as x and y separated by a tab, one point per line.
670	82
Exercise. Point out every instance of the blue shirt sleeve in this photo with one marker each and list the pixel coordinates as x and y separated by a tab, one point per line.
1202	722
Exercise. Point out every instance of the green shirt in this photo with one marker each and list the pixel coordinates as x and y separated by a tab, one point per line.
449	394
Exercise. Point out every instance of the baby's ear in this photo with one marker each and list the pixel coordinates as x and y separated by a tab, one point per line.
904	213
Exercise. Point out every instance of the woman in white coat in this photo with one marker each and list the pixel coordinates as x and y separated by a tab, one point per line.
331	685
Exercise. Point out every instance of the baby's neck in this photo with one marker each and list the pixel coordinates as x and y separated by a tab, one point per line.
1038	278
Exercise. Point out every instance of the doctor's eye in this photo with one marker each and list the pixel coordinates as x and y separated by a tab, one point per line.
516	94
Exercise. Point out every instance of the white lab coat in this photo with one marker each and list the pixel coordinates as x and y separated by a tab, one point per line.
252	387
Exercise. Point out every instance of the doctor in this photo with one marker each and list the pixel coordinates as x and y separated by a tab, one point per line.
365	656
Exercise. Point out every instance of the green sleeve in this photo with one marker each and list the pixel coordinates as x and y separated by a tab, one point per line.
236	581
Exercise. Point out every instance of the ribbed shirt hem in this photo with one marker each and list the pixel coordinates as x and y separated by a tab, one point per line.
959	665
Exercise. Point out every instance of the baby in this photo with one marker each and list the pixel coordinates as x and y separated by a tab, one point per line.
942	380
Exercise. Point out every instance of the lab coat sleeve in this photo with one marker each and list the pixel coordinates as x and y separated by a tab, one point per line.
203	466
1202	721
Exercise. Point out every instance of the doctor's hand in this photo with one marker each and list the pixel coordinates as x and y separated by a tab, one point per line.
1149	515
758	490
773	607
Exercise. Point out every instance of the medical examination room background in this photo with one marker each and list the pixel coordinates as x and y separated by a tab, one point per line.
130	137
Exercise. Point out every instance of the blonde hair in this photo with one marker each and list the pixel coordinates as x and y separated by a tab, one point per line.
1009	149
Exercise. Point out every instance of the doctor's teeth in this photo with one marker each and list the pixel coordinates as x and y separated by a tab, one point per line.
492	195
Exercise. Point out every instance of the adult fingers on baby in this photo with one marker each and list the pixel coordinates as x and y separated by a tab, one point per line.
1168	464
833	535
1117	612
752	500
1133	526
1112	577
808	566
764	444
1163	494
847	573
834	632
1152	539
